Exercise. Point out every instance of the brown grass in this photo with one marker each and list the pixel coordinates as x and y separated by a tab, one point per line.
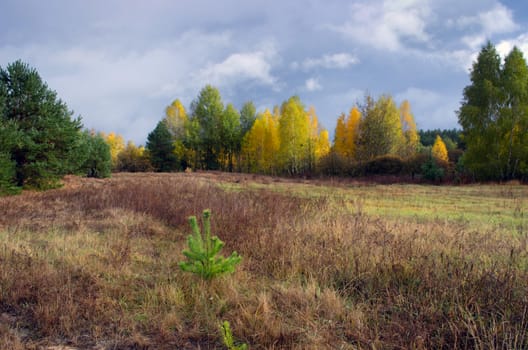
94	265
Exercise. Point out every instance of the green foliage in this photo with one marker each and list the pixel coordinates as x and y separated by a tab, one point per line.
380	130
207	110
96	158
248	115
9	136
202	255
494	116
7	175
227	337
230	134
46	131
451	137
160	147
432	171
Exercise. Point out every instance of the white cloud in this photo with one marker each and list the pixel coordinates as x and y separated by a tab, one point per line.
334	61
312	84
253	66
385	25
497	20
505	46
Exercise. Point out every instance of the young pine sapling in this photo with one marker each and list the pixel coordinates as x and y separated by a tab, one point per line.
202	253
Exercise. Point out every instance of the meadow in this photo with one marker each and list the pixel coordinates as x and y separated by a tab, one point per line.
327	264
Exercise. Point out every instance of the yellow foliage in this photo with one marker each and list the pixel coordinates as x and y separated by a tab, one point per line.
294	131
175	119
439	150
340	136
319	145
322	147
116	143
412	139
346	133
261	144
352	128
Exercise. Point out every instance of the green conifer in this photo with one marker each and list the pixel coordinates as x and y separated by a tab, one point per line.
202	258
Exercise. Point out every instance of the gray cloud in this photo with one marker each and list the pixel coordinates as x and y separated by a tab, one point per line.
119	63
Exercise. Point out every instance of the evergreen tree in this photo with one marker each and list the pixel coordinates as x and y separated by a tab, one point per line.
161	149
9	136
46	128
97	156
202	255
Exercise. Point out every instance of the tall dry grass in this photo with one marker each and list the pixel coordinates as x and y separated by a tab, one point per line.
94	265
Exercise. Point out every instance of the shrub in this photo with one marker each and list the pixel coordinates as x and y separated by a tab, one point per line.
432	171
384	165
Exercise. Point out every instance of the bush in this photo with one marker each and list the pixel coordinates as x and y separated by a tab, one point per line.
414	164
384	165
432	171
333	164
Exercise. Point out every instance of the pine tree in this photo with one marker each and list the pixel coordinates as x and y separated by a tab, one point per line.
202	255
95	155
47	131
160	148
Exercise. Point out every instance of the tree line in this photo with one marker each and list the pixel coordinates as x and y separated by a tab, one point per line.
41	140
287	140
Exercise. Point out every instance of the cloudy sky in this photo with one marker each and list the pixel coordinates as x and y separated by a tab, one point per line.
119	63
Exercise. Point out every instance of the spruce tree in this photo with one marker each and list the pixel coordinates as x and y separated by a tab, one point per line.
160	148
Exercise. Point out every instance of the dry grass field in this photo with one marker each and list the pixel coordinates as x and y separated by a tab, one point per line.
326	265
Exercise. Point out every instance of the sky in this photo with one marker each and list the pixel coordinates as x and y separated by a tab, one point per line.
119	63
